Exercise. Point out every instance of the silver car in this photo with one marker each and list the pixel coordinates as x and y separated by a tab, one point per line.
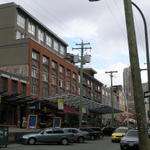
49	135
79	136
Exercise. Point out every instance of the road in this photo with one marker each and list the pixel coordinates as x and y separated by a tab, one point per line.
104	144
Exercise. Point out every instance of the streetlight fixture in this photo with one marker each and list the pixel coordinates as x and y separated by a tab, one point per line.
136	78
146	45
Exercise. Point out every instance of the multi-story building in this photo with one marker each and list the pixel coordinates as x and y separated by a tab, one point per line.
92	90
30	50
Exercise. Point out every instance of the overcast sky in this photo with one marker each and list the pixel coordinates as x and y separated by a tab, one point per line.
100	23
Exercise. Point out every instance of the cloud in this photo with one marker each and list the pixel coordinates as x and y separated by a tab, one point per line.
117	77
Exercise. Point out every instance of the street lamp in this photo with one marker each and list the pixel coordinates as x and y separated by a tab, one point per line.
146	44
136	78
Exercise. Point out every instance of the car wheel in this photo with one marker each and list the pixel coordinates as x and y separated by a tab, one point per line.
81	139
64	142
101	136
32	141
122	148
92	137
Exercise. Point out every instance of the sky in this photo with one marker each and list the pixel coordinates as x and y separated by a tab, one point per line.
101	23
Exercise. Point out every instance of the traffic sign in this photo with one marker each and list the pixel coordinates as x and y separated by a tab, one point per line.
146	94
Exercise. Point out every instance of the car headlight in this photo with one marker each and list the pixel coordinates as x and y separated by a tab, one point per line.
25	137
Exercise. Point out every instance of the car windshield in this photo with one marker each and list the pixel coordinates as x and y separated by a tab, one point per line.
121	130
132	133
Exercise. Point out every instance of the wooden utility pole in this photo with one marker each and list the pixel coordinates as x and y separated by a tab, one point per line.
112	100
136	78
82	48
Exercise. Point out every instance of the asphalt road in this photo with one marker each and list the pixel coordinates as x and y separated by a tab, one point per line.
104	144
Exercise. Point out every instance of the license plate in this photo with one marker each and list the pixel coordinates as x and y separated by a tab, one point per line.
131	144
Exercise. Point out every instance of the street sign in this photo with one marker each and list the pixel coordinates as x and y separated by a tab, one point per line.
146	94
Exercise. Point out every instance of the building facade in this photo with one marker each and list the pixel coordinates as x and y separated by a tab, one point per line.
32	51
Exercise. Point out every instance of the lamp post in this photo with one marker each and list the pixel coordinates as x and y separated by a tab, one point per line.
136	78
146	45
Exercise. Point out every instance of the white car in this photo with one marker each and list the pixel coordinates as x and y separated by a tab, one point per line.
79	136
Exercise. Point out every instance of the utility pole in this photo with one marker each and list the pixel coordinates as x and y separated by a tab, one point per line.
82	48
136	78
112	101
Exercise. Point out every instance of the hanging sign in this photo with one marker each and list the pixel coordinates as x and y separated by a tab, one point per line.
60	103
84	108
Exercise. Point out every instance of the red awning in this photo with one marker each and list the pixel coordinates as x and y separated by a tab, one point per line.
70	110
66	109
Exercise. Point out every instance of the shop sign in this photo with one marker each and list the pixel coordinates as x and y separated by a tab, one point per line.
60	103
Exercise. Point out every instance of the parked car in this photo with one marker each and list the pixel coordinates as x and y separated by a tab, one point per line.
92	135
107	131
49	135
79	136
130	140
118	134
98	130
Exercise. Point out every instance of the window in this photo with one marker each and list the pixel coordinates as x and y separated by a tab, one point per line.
74	75
35	86
45	60
44	89
35	55
34	73
48	40
23	88
54	65
61	83
61	69
40	35
14	86
45	76
4	84
31	28
62	50
56	45
19	35
54	80
21	21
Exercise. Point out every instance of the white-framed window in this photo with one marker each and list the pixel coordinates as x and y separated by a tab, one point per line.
48	40
19	35
45	60
34	73
35	55
61	69
31	28
21	21
74	75
40	35
45	76
62	50
56	45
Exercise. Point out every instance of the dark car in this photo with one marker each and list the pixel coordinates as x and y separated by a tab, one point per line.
107	131
49	135
130	140
98	130
92	135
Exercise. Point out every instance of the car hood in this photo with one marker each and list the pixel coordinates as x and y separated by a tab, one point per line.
29	135
118	134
